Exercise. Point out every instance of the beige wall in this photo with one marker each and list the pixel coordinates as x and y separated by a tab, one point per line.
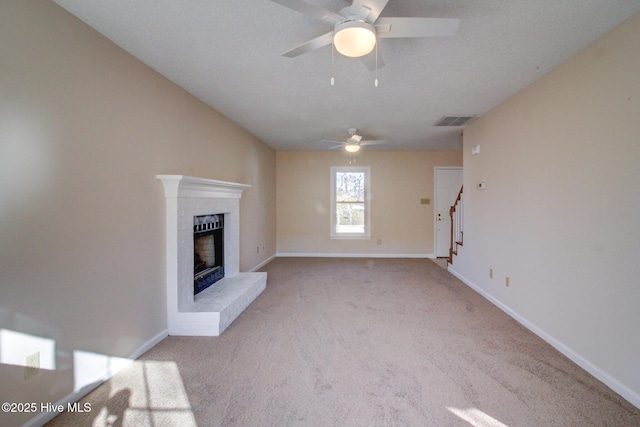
84	129
561	209
398	181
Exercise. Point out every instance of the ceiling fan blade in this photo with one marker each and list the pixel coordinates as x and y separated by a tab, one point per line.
370	61
314	44
368	9
326	141
373	142
311	10
416	27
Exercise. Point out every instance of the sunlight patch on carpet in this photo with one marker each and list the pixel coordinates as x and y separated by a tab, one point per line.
476	417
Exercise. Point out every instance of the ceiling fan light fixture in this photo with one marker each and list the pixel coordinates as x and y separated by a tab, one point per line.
354	38
352	148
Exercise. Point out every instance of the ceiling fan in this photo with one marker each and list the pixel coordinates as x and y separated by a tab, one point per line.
355	141
356	28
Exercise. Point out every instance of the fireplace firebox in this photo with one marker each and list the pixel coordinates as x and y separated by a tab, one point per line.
208	251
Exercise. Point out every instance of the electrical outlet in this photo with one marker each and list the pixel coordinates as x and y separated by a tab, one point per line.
31	365
257	249
379	241
491	273
506	281
425	201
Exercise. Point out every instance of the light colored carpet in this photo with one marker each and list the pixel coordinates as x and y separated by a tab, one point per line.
441	262
358	342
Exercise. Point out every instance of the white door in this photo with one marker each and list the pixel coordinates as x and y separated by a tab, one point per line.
448	183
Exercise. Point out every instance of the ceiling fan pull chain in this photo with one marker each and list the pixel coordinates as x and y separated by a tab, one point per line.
375	82
333	81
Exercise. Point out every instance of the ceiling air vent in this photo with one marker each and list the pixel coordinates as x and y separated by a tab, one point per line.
457	120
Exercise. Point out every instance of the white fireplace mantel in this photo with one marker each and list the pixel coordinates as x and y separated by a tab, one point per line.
189	186
212	310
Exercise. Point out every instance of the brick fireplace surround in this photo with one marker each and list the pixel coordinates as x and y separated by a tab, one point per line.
211	311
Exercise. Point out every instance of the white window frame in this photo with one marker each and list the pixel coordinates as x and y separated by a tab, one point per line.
367	203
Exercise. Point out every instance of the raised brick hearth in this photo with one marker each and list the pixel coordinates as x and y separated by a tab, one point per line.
211	311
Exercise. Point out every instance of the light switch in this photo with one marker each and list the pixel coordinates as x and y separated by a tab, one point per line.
425	201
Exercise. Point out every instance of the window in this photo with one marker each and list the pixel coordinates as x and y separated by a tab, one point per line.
350	202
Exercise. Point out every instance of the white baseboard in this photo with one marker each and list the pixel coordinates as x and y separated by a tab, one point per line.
263	263
350	255
75	396
615	385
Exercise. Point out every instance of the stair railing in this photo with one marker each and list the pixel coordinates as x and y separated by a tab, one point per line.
457	233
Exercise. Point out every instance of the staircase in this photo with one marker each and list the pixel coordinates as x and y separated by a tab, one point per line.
455	212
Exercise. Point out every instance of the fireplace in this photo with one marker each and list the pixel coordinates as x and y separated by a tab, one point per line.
208	209
208	251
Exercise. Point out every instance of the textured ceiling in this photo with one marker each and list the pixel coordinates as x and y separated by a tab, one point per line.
228	54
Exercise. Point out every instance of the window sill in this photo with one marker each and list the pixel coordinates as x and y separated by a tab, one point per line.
350	237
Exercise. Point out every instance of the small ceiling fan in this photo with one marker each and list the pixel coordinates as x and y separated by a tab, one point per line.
355	141
356	28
